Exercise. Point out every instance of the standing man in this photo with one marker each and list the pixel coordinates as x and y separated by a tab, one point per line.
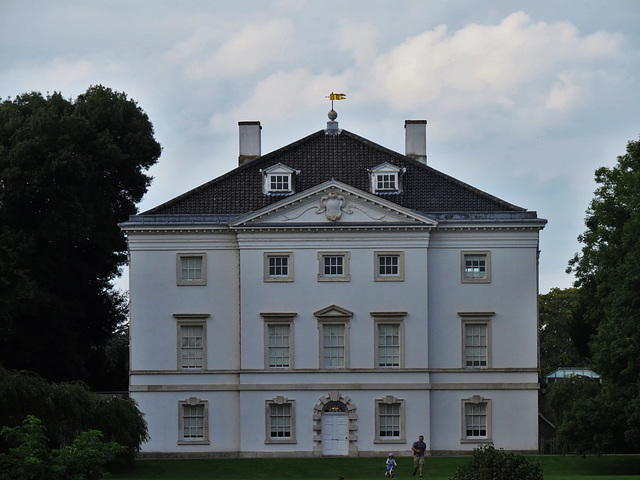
419	448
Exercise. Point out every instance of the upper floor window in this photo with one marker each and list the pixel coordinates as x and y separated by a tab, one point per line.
278	339
476	339
192	340
333	323
386	178
278	267
389	266
333	266
278	180
191	269
389	347
192	343
475	267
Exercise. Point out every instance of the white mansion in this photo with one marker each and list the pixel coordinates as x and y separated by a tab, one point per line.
334	297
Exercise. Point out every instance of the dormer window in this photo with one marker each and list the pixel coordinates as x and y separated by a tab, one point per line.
385	178
278	180
386	181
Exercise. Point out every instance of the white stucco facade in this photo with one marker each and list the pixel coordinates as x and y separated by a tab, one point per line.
349	399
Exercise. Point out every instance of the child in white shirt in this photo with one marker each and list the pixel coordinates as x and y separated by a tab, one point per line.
391	465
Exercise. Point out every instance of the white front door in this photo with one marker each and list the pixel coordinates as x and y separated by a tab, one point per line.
335	434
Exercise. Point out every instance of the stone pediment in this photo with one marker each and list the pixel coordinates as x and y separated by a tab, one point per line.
333	203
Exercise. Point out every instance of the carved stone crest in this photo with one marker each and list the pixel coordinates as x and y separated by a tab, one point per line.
332	204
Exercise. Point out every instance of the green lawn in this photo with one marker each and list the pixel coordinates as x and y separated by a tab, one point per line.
617	467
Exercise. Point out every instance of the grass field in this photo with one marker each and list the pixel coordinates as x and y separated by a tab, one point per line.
615	467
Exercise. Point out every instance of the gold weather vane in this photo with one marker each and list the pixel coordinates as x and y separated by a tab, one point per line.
336	96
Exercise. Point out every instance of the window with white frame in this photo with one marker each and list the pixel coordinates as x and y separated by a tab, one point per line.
389	266
278	180
278	267
191	269
389	420
386	181
279	345
280	420
389	339
333	323
388	345
278	339
476	339
193	422
192	340
476	345
385	178
333	266
191	346
476	267
476	419
333	345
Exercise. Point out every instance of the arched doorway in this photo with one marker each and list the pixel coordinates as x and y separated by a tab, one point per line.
335	429
335	420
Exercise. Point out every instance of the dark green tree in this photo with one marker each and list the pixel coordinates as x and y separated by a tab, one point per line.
69	172
66	409
607	271
562	333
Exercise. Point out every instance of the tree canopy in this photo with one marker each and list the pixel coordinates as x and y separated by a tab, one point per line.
607	273
69	172
562	334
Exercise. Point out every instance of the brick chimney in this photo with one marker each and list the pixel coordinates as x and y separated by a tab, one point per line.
415	143
249	141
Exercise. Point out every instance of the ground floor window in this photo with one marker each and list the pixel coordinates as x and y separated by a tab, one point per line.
389	420
193	421
280	420
476	412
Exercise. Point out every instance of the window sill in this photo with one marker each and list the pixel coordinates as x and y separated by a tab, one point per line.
194	442
271	441
476	440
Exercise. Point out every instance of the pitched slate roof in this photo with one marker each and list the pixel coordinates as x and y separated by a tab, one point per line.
345	157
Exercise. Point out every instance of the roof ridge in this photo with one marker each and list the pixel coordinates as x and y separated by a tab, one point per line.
346	156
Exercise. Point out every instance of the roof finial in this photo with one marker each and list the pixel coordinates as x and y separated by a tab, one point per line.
332	125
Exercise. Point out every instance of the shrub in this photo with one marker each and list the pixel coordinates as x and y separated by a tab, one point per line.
491	464
30	458
86	457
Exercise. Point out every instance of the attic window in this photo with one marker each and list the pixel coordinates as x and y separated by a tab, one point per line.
385	178
278	180
386	181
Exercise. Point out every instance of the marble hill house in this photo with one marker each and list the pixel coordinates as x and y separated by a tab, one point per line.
334	297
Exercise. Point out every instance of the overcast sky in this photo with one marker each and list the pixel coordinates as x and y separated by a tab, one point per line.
524	100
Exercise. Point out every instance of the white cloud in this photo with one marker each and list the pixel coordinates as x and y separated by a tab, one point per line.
564	93
251	49
488	64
